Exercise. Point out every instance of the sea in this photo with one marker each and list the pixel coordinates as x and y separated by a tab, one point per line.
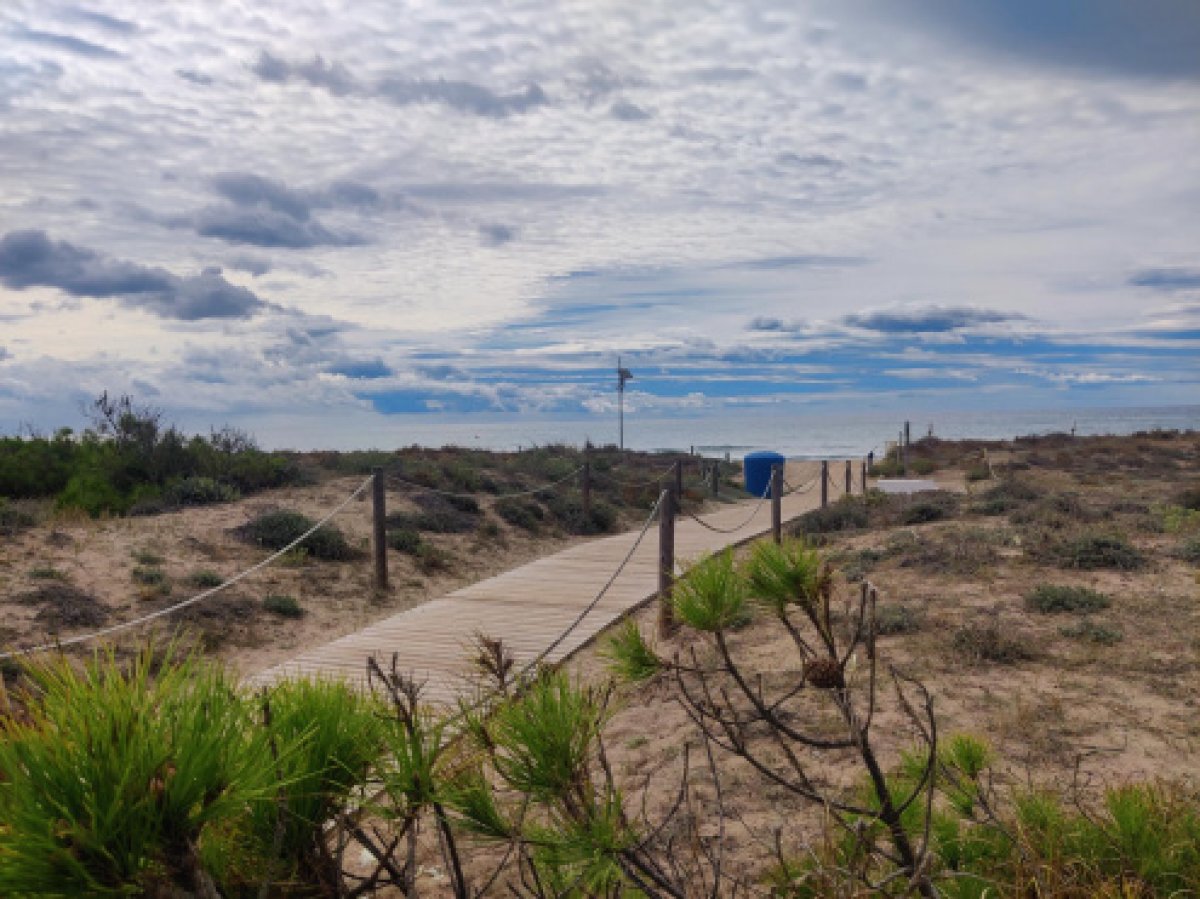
803	435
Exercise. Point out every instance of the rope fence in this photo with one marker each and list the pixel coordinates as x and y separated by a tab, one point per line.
199	597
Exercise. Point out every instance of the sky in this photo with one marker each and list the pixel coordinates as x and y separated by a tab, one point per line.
346	214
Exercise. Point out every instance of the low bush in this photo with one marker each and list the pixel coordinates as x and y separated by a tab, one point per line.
979	472
964	551
923	512
524	514
1006	495
199	491
437	519
13	520
205	579
568	510
987	641
62	605
1189	551
897	619
1050	598
847	514
431	559
283	605
147	557
275	530
148	576
1091	632
1189	498
1090	552
47	573
405	540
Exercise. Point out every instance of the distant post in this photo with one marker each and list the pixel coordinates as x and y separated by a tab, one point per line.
379	529
907	433
849	478
714	478
777	503
585	486
666	562
824	483
864	479
678	486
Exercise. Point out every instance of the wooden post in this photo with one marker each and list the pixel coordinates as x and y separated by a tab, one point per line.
849	478
864	479
824	484
907	433
666	563
777	503
714	478
379	522
585	486
678	487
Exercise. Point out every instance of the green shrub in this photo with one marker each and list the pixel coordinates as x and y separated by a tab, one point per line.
1189	498
284	606
923	512
148	576
62	605
47	573
1189	551
444	520
13	520
93	493
1091	632
118	772
987	641
1089	552
275	530
979	472
146	557
848	513
711	595
897	619
431	559
205	579
524	514
1008	494
1051	598
405	540
199	491
569	512
922	466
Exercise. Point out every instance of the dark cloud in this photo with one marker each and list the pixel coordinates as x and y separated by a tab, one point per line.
1167	278
1153	38
108	23
497	235
361	369
464	96
927	319
628	112
32	259
348	193
244	189
766	323
808	160
194	77
254	265
266	227
848	81
66	42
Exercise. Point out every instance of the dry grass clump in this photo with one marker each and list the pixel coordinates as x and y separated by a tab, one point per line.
1086	551
987	639
65	606
961	551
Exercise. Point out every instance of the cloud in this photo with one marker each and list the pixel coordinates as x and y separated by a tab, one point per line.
464	96
261	227
369	369
497	235
1152	38
1167	278
253	265
4	354
194	77
66	42
625	111
32	259
245	189
927	319
108	23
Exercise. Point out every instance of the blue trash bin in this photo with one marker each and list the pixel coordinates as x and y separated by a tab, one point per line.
757	471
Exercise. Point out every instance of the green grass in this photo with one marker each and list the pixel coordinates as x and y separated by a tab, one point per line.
987	641
1089	631
148	576
275	530
1050	598
205	579
47	573
712	595
147	558
1090	552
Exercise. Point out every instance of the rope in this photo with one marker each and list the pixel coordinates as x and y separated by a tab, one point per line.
519	493
798	489
161	613
599	596
635	482
716	530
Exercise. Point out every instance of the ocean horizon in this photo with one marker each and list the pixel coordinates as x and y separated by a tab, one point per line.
798	435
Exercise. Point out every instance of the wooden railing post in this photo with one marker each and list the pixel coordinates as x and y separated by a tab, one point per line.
585	486
379	528
678	486
777	503
714	478
849	478
666	562
824	483
864	479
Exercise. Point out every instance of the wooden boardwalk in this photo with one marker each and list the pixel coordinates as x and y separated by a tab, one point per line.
530	606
